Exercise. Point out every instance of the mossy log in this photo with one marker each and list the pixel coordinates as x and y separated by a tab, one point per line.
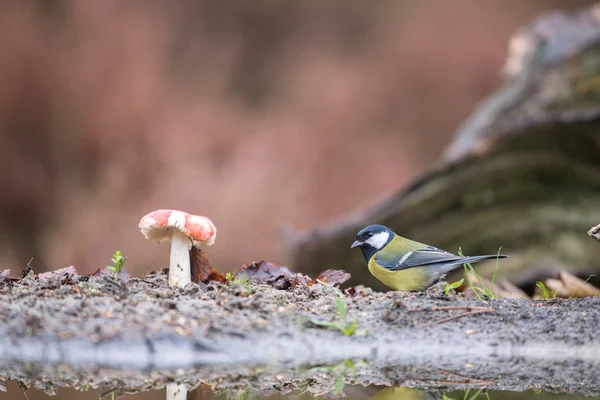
523	171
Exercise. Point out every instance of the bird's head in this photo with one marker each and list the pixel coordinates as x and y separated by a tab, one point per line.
373	238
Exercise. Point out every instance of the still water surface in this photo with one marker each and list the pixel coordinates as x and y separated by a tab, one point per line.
351	392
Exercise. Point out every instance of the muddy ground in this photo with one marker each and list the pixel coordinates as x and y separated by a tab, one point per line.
76	332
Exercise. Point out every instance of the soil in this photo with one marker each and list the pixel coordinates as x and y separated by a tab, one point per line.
140	335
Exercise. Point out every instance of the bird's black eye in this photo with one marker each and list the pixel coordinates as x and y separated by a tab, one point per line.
370	234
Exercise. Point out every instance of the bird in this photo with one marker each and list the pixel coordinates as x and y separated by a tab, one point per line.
405	265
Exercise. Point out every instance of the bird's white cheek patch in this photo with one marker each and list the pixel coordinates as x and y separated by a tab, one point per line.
379	240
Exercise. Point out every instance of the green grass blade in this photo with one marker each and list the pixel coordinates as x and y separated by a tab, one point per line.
471	283
476	395
541	285
339	385
486	290
495	269
352	328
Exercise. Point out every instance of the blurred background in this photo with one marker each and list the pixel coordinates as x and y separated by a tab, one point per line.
257	114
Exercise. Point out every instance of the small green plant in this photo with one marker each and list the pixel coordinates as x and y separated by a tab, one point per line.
348	366
232	394
281	300
484	290
545	294
340	370
118	261
241	282
474	396
346	327
453	285
466	395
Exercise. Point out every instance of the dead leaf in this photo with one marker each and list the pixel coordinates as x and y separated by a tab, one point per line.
301	279
70	270
67	275
333	277
359	290
215	277
594	232
123	275
264	271
281	278
23	386
506	289
26	271
199	265
268	273
501	288
569	285
5	277
286	388
104	272
201	270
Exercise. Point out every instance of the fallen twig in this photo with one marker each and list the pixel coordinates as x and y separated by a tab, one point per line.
120	285
147	282
443	320
442	382
445	371
464	308
111	391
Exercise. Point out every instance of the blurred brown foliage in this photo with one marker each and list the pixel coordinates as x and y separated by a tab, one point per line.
256	114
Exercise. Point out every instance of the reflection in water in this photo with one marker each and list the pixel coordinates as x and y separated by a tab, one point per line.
350	379
406	393
403	392
175	391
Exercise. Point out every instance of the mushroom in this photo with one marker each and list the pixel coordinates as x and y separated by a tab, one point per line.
183	230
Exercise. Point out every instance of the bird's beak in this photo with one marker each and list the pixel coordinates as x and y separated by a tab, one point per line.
355	244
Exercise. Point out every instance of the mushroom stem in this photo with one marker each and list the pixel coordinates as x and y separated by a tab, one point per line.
176	392
179	266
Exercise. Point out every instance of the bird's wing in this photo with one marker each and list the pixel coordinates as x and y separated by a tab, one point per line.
415	258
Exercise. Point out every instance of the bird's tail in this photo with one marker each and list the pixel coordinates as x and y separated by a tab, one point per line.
447	267
474	259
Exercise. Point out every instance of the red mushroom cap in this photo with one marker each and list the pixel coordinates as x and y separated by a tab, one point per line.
158	226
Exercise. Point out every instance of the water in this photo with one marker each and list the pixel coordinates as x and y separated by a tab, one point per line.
352	379
291	367
374	392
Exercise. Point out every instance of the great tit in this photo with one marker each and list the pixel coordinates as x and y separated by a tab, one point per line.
406	265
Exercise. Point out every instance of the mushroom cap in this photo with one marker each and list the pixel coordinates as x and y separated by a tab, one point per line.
159	225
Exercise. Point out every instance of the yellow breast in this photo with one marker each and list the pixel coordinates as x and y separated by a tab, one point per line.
406	280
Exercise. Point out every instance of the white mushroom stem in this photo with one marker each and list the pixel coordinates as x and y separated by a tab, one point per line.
179	266
176	392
